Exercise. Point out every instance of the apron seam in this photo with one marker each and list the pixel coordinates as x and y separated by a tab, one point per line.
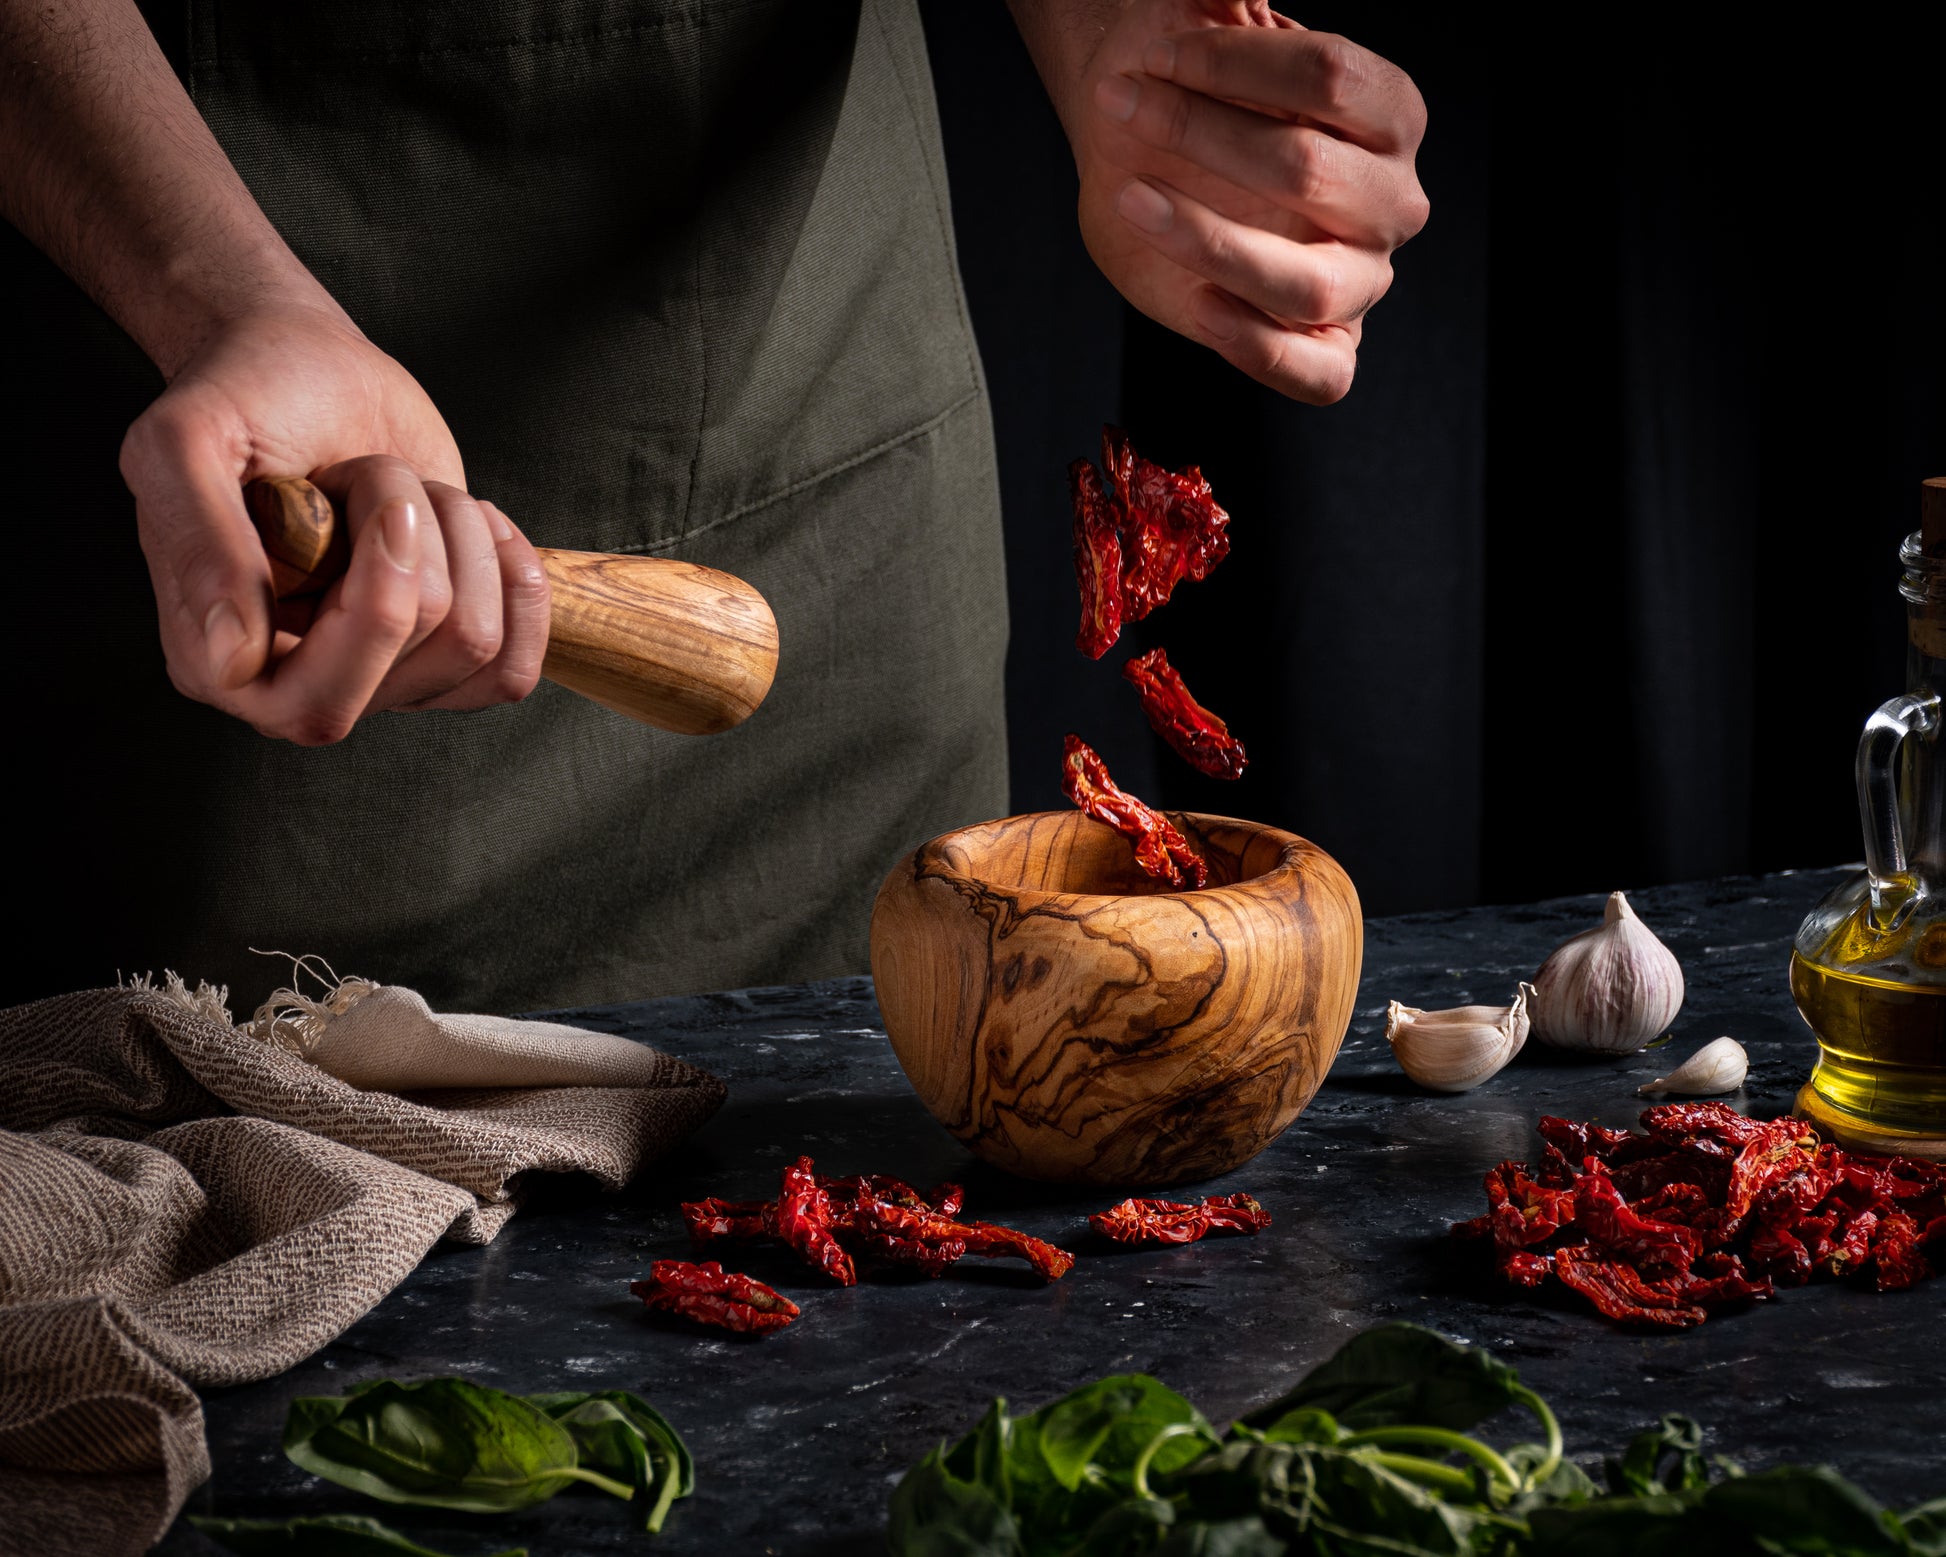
864	456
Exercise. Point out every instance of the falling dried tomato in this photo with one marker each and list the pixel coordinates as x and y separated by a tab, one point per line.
1172	526
710	1295
804	1223
1137	535
1200	738
1706	1208
1097	560
1176	1221
1160	849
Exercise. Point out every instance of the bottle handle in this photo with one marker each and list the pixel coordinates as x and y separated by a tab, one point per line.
1893	889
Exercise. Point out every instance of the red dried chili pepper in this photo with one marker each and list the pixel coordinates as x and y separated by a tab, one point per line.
710	1295
804	1223
1160	849
1200	738
1176	1221
1097	560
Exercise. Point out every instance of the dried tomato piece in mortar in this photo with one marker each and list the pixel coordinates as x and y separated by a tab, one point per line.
1177	1221
1200	738
804	1222
1097	560
710	1295
1160	849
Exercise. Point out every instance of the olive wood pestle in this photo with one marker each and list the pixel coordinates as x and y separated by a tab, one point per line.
673	644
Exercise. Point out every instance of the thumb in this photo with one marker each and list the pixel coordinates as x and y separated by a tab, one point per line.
211	577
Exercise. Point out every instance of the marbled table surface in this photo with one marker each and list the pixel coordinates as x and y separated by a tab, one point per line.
799	1437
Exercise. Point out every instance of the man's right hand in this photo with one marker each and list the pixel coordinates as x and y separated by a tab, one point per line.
444	604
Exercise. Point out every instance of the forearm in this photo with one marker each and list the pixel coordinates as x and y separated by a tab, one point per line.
107	167
1062	36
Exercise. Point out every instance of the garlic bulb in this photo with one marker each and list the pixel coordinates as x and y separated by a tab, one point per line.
1719	1066
1610	989
1456	1050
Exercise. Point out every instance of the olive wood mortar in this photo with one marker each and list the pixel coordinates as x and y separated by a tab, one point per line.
1071	1019
673	644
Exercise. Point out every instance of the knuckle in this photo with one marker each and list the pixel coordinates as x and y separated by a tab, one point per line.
1418	211
1307	165
475	642
511	683
1176	120
1339	67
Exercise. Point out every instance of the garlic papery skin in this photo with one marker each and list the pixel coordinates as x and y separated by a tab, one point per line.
1718	1067
1610	989
1456	1050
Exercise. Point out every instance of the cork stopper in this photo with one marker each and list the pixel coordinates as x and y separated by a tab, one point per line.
1932	516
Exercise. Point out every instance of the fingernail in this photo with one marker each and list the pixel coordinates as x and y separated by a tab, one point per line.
1216	314
1145	206
1116	96
398	531
1159	59
223	636
497	523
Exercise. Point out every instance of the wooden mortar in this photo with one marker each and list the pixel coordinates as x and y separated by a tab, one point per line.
1068	1018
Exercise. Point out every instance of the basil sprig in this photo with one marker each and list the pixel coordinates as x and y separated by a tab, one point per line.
1372	1453
451	1443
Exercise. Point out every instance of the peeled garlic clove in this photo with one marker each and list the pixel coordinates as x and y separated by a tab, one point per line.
1456	1050
1719	1066
1610	989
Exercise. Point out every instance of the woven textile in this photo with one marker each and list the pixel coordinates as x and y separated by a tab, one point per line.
183	1203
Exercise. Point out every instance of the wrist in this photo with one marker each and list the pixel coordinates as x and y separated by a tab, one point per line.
188	298
1063	37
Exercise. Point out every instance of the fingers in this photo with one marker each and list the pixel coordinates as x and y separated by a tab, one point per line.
525	604
1364	98
1298	283
181	459
467	636
1349	192
319	690
363	489
1307	364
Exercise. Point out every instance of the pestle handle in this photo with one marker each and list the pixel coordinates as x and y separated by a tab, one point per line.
673	644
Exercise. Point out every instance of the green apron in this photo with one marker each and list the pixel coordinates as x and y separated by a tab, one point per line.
679	274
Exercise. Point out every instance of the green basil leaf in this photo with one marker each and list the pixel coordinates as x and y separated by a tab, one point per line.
1232	1538
1640	1470
624	1437
1925	1527
443	1443
1807	1509
1105	1426
1132	1525
1306	1424
936	1512
1400	1374
323	1535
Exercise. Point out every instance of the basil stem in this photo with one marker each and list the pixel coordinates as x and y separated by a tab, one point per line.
1459	1443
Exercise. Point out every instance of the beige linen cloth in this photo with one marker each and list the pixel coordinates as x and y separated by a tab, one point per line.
184	1202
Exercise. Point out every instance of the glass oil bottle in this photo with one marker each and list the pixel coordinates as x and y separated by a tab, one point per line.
1868	968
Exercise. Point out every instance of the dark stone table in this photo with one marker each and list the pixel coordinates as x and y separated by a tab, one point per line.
799	1437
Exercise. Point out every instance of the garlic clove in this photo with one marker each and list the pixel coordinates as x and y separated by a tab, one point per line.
1609	990
1456	1050
1719	1066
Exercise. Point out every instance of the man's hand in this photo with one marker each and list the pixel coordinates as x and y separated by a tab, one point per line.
1243	181
106	165
444	604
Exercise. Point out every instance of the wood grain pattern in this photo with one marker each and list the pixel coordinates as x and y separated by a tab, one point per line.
673	644
1069	1019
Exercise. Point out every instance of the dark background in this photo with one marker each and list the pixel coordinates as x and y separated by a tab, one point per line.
1590	581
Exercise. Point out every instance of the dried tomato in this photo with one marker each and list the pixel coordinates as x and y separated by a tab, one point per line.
1176	1221
1137	535
1160	849
710	1295
880	1217
709	1220
1097	560
1706	1208
804	1223
1200	738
